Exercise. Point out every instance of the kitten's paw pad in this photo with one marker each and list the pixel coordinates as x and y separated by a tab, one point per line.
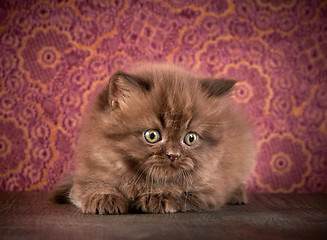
158	203
105	204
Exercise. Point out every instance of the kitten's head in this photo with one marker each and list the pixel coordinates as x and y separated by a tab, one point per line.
163	122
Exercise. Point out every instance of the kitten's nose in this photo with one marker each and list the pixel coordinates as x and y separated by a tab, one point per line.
172	156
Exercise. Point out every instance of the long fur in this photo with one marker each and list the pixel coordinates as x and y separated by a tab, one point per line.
119	172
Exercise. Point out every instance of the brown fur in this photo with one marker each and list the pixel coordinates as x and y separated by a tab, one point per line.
119	172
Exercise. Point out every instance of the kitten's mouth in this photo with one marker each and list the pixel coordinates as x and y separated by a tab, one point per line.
173	165
166	170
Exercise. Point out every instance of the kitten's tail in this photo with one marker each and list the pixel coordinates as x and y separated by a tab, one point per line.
60	192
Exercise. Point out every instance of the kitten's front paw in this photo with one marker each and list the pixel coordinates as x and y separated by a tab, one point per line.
158	203
105	204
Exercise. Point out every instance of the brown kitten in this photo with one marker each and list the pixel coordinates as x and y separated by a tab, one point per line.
160	140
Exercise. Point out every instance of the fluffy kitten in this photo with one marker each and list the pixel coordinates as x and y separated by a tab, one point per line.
160	140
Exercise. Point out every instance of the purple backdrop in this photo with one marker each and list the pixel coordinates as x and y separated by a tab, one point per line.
53	54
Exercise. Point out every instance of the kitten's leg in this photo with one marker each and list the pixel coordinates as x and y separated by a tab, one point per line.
209	199
158	203
103	203
99	200
238	196
166	203
203	200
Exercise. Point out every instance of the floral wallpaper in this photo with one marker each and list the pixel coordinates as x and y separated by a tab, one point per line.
55	54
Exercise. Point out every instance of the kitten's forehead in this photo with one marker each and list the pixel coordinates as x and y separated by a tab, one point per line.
175	95
175	121
175	104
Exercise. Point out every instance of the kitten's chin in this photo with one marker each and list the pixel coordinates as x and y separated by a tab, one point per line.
162	169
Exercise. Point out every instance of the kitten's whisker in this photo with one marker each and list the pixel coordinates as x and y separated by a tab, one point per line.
172	114
216	124
195	174
150	178
140	172
184	180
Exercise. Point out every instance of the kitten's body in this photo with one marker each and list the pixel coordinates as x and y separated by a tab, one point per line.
118	171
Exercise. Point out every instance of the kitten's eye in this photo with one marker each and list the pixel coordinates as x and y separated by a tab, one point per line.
152	136
190	138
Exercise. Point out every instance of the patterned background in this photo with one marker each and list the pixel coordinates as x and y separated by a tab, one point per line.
53	54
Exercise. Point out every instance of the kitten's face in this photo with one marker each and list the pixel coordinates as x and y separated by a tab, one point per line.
168	129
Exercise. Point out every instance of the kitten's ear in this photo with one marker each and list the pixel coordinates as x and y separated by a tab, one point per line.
217	87
123	86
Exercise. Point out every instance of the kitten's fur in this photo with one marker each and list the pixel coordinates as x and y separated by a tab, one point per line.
119	172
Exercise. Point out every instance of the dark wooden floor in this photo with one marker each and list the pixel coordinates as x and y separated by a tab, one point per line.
29	215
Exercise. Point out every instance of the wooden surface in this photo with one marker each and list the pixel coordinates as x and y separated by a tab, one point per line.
29	215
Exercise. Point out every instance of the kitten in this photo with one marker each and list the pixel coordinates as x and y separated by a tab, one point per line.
160	140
